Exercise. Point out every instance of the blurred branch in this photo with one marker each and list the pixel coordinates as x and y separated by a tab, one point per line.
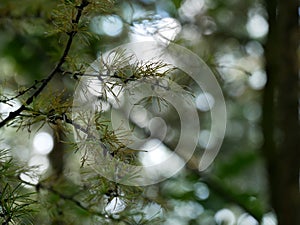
70	199
226	193
62	60
237	68
7	100
219	188
64	197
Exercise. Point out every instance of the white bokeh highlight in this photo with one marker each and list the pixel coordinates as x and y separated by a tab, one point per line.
225	216
163	30
108	25
257	26
205	101
43	143
258	80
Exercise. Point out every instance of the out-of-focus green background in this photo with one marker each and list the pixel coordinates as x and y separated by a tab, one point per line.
228	35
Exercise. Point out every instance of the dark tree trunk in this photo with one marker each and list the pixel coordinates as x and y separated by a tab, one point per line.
281	117
57	155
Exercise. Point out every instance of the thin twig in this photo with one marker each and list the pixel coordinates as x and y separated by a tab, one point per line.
65	197
7	99
224	192
71	199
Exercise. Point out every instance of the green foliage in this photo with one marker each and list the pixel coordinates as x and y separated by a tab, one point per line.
47	47
17	205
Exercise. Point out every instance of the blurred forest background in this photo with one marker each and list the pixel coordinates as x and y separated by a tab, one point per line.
250	45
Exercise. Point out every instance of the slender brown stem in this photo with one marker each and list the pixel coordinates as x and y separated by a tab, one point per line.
63	196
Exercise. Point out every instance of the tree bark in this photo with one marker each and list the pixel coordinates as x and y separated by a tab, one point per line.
57	155
280	110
